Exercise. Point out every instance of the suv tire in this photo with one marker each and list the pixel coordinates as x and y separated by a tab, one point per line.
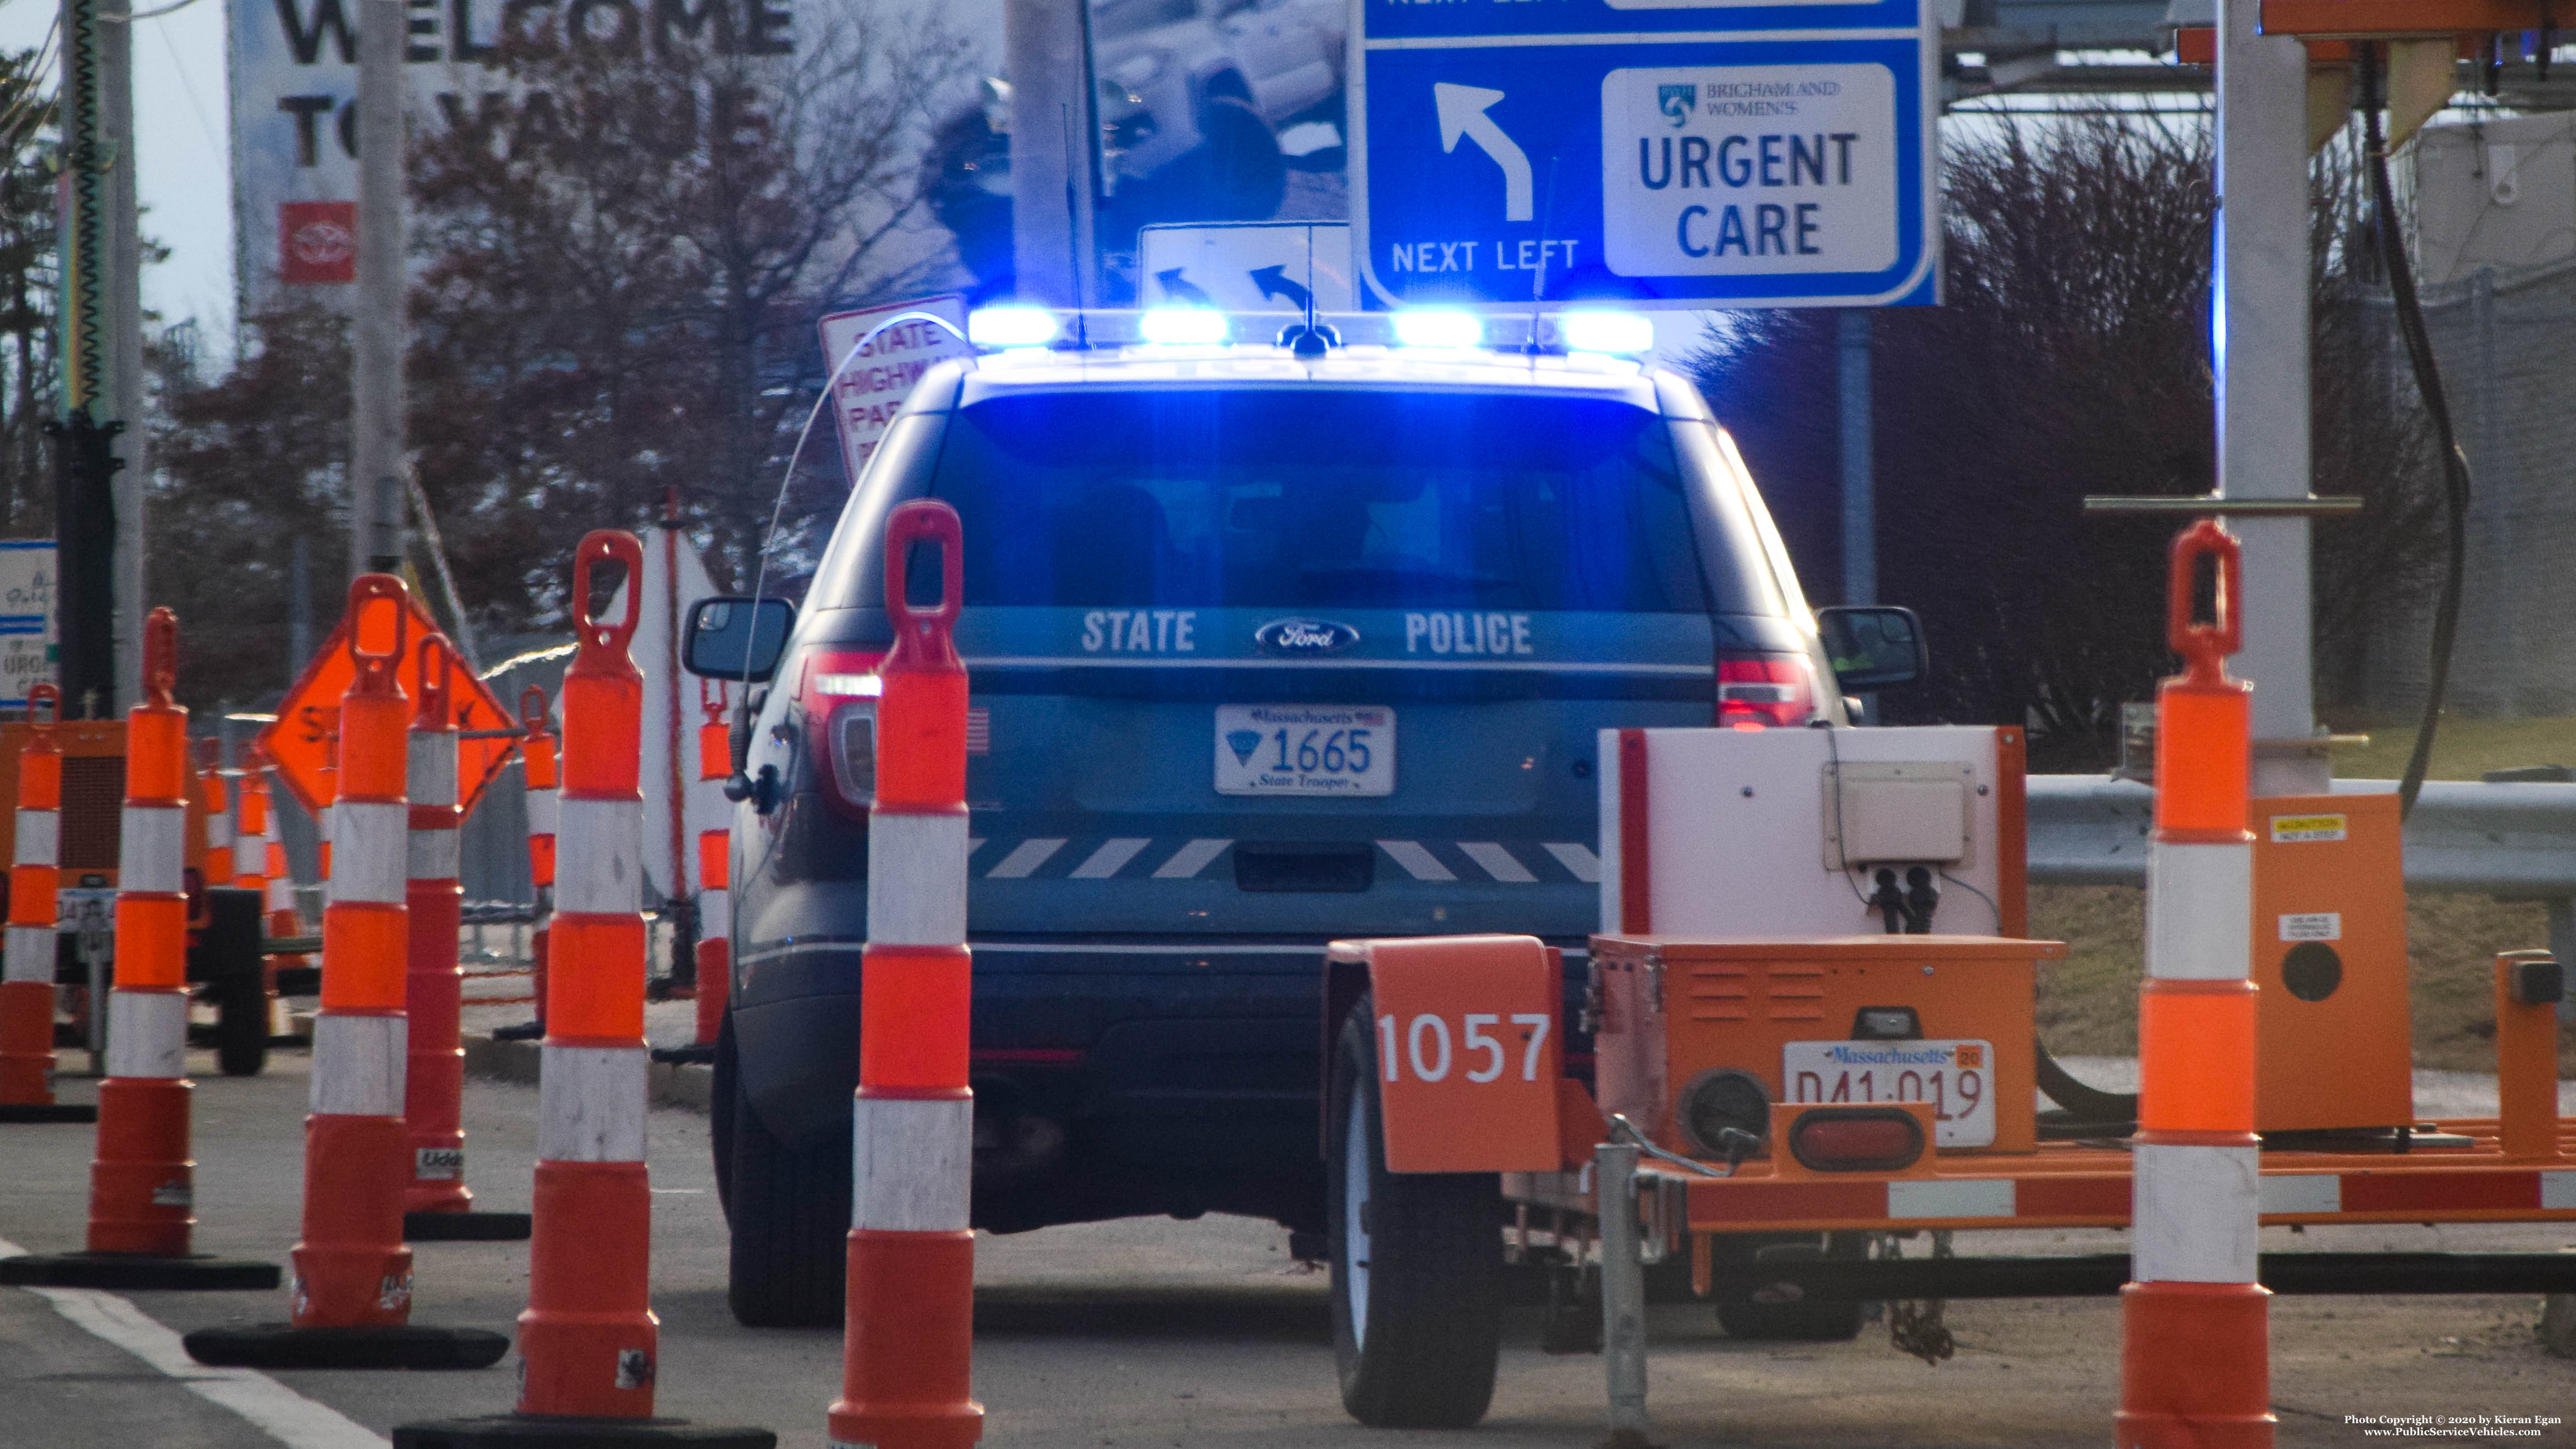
789	1210
720	1094
1417	1265
236	977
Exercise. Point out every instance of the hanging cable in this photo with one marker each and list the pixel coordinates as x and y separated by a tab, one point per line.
2437	406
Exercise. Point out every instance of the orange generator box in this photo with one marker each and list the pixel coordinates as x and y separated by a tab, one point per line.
1693	1036
2334	1044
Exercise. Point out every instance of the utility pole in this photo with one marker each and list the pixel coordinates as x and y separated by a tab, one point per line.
2262	364
1046	45
1860	498
376	463
98	456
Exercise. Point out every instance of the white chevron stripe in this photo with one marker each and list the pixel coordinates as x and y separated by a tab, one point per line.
1499	863
1023	859
1417	862
1190	859
1109	859
1577	858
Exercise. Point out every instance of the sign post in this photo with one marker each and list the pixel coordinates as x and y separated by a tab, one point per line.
1656	153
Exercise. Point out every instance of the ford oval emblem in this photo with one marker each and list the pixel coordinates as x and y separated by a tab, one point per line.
1298	638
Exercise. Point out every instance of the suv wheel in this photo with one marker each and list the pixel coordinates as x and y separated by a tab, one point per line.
720	1095
789	1210
1417	1265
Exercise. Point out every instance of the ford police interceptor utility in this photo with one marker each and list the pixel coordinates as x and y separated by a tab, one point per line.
1271	639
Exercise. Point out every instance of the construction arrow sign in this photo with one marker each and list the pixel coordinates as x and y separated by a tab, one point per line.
304	740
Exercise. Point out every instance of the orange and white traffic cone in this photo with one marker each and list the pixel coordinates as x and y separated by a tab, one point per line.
588	1342
351	1298
27	977
438	1206
2194	1360
537	773
142	1182
909	1336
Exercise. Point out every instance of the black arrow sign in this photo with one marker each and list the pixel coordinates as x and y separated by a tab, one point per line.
1273	282
1181	290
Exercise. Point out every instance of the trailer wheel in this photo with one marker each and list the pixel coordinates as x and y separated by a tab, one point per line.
1417	1264
2558	1324
1816	1320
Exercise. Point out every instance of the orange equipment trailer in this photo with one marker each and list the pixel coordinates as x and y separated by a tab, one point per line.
224	935
1778	1108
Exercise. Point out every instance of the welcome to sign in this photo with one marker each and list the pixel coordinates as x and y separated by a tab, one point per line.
294	83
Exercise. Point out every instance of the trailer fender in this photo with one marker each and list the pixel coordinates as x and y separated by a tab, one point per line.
1470	1047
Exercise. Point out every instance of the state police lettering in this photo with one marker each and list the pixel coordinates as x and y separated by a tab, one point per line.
1464	633
1140	631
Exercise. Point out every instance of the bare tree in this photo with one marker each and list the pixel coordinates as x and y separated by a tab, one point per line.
27	293
625	267
2071	357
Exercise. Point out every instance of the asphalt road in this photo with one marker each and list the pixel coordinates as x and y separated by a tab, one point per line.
1143	1333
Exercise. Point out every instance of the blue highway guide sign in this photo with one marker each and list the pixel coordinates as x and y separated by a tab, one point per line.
1677	153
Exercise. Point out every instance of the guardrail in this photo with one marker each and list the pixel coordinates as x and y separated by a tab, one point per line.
2512	841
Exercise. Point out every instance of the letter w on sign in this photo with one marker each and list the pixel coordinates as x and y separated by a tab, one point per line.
1468	1050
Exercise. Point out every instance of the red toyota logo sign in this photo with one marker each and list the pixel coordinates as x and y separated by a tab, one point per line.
317	241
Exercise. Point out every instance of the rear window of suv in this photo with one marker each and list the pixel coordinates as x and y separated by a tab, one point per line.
1288	499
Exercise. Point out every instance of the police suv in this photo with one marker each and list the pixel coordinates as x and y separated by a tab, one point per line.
1279	629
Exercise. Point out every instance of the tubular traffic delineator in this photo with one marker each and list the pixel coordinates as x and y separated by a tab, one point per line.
216	797
588	1337
351	1295
2194	1367
437	1205
588	1342
27	978
142	1181
538	778
909	1334
715	847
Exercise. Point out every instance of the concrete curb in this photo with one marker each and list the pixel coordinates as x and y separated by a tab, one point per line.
685	1085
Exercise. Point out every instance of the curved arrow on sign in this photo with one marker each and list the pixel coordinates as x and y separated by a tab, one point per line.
1462	113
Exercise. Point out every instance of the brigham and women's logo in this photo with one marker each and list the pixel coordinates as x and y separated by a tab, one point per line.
1302	637
1678	102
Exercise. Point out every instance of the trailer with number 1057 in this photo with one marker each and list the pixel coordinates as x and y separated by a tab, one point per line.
1806	1039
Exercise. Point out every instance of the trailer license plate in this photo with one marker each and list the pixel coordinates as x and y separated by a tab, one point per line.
1956	1077
1304	749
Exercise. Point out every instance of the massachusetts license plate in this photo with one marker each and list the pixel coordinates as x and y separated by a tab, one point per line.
1304	749
1956	1077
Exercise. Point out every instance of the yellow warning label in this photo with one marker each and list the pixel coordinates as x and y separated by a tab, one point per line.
2299	829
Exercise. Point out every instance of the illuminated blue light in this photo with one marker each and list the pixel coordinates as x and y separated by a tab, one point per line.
1438	329
1182	326
1623	333
1012	327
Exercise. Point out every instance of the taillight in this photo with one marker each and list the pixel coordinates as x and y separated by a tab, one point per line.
1856	1139
838	689
1765	689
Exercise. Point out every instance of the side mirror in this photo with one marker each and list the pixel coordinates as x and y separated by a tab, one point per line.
736	638
1874	648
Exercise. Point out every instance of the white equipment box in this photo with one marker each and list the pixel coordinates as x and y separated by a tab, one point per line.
1781	832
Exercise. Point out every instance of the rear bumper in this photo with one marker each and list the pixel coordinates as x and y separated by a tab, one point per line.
1198	1054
